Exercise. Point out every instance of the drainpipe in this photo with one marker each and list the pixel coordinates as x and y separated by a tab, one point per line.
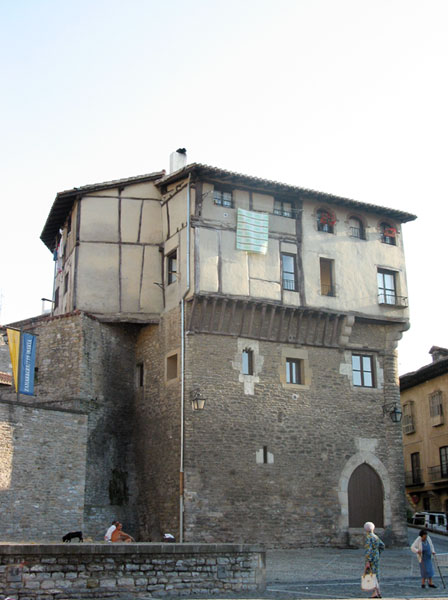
182	377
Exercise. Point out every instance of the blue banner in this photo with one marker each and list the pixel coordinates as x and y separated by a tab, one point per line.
27	362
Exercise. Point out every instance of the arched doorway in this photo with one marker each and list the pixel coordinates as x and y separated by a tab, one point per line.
365	497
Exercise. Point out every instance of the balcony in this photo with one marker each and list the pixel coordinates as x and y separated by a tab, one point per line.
392	300
414	477
438	474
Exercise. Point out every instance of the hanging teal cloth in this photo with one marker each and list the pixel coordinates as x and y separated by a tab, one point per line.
252	231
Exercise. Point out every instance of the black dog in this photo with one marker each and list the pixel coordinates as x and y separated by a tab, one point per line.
68	537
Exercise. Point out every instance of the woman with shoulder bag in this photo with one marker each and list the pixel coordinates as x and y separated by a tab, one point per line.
373	547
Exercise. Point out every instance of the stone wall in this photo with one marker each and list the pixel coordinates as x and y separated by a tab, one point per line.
42	471
136	570
89	366
157	429
308	435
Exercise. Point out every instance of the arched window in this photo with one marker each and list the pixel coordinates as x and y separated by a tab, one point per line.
388	233
325	221
356	228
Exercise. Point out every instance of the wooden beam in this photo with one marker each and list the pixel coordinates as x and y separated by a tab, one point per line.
271	321
282	317
221	316
299	323
251	321
212	316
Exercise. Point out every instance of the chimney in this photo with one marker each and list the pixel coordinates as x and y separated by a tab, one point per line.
438	353
178	160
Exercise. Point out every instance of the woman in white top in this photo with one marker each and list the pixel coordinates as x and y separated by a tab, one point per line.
424	549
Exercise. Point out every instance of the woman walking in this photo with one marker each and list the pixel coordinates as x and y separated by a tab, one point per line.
373	548
424	549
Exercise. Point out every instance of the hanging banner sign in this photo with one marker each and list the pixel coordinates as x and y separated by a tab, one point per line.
14	351
27	362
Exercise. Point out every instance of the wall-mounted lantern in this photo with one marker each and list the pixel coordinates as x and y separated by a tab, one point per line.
393	409
197	401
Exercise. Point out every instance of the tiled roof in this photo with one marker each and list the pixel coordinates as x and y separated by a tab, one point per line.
431	371
276	186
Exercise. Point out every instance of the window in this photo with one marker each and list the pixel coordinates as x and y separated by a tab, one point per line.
436	408
223	198
388	234
171	367
172	267
356	228
65	283
248	361
289	272
284	209
294	371
362	370
444	461
325	221
140	375
56	298
386	287
415	466
69	224
408	418
326	277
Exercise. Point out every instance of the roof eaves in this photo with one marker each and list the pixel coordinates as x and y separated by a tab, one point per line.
208	170
431	371
65	200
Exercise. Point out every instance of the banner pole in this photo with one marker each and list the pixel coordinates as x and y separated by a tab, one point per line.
19	365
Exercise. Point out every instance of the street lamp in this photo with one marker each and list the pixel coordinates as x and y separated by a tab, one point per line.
393	409
197	401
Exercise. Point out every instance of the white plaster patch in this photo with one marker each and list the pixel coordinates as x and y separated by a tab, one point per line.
248	381
366	444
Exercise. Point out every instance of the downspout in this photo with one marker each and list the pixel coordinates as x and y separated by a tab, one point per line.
182	378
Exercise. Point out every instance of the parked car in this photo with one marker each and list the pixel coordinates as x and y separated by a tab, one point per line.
433	521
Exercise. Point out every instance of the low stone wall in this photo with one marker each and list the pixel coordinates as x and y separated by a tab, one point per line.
145	570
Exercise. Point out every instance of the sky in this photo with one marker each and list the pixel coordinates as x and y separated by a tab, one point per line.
348	97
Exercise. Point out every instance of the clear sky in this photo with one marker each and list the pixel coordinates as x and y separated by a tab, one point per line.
348	97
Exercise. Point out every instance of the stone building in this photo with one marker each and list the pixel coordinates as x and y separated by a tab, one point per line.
230	395
425	433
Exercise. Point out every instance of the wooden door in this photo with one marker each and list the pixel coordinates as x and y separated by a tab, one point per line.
365	497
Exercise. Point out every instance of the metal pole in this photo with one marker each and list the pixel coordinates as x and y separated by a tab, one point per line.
19	363
440	572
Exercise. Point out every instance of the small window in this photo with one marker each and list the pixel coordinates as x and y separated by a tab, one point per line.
356	228
284	209
325	221
69	224
415	467
222	198
56	298
388	234
386	287
362	370
172	267
327	277
289	272
294	371
66	283
171	367
248	362
140	375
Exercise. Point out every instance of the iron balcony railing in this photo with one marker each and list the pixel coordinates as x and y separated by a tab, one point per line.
438	473
414	477
391	299
289	284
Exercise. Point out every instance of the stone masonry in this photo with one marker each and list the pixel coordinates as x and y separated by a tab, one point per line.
136	570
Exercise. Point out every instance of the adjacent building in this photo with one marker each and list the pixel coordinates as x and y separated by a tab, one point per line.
425	433
232	343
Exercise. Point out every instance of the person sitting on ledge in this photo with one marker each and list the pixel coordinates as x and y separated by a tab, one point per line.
118	535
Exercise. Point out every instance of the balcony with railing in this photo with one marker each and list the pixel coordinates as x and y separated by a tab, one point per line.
414	477
439	473
392	300
289	284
